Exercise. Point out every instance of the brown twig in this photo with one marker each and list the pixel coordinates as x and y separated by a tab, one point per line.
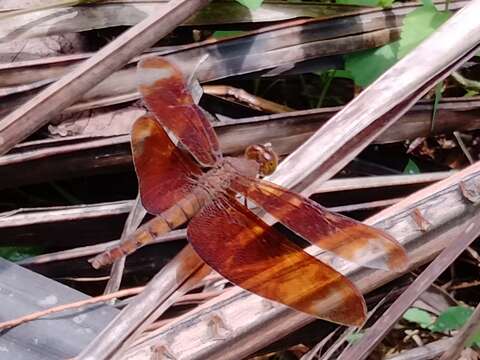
465	285
464	147
74	305
137	213
250	99
187	299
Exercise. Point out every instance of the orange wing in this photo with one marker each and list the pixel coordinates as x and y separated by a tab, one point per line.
166	95
163	171
341	235
246	251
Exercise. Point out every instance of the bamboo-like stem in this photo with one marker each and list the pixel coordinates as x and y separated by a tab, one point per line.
50	102
165	287
374	335
137	213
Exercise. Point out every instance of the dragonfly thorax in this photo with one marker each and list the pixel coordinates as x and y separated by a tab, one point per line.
218	179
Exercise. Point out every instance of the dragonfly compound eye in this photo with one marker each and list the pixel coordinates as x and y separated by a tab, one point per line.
264	155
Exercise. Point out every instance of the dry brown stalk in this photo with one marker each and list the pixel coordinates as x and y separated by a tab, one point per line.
380	329
187	299
75	305
243	96
50	102
137	213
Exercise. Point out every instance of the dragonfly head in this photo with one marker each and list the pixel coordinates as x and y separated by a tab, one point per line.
265	157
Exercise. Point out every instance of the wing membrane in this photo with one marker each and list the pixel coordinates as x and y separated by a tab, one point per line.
163	170
249	253
341	235
166	95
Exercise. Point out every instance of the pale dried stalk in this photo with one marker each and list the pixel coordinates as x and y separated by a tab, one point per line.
146	319
374	335
427	352
137	213
375	109
171	282
93	249
243	96
50	102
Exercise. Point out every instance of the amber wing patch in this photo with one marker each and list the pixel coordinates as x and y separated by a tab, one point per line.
339	234
164	172
166	95
246	251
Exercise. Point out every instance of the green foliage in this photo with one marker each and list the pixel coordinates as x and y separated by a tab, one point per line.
17	253
362	2
366	66
419	316
452	319
418	25
226	33
411	168
474	340
343	74
251	4
353	338
438	97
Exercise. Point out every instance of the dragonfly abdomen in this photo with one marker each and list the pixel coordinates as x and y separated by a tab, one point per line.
168	220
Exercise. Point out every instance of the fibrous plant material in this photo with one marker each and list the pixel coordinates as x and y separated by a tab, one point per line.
374	335
135	217
82	154
384	102
51	101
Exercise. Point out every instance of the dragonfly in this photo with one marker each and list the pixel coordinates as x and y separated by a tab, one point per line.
183	177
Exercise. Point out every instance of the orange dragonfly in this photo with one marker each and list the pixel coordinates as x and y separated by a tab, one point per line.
199	184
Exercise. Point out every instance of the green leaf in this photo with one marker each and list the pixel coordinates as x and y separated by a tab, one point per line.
411	168
251	4
359	2
353	338
17	253
419	316
418	25
471	93
474	340
367	66
343	74
386	3
452	319
226	33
